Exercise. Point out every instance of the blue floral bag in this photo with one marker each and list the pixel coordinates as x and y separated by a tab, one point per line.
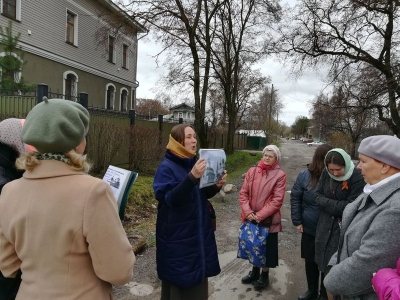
253	243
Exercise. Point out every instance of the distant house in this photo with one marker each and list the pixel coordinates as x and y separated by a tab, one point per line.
73	46
183	111
253	132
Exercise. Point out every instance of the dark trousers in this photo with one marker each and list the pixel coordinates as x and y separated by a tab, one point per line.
9	286
312	274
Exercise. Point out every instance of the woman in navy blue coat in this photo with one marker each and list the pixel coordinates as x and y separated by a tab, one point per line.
186	247
305	214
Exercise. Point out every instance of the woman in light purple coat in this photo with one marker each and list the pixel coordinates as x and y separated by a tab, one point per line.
386	283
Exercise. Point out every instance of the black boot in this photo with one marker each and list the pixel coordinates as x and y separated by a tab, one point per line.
322	292
254	274
309	295
262	282
312	274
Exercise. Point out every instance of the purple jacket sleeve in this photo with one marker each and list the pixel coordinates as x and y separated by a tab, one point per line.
386	284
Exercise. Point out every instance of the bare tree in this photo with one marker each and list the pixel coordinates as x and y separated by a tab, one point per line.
176	25
241	28
341	33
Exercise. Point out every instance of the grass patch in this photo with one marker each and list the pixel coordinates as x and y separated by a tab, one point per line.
240	161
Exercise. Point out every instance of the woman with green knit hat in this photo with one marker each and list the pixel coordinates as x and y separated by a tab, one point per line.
340	184
58	224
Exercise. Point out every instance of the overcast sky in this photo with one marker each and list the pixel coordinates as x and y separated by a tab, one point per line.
295	94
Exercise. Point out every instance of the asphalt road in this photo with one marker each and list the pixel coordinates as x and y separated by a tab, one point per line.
286	281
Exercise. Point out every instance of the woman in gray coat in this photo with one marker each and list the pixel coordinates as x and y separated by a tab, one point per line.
369	238
340	184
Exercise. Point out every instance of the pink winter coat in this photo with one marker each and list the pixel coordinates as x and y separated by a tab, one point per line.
386	283
266	197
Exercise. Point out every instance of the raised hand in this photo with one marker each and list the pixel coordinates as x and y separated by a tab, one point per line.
199	168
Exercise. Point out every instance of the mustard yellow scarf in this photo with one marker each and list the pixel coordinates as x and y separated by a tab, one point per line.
178	149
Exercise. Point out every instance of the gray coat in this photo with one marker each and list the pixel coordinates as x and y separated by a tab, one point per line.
332	198
369	241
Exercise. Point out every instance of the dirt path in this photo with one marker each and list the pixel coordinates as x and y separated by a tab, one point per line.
287	280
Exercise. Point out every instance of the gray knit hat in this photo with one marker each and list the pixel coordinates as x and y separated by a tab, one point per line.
384	148
55	126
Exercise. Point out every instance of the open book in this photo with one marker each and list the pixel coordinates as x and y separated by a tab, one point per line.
215	167
121	181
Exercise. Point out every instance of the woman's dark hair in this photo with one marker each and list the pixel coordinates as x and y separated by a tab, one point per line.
336	158
178	132
317	165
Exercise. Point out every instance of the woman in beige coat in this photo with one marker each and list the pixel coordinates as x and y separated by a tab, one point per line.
58	224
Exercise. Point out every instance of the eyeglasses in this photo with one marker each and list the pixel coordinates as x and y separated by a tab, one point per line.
268	156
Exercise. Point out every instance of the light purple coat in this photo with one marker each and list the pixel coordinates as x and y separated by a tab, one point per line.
386	283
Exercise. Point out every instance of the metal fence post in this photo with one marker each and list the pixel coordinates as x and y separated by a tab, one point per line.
42	91
160	129
132	116
84	99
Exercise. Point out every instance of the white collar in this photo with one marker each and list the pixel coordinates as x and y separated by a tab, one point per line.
368	188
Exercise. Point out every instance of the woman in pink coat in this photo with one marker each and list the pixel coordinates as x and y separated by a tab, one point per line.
261	198
386	283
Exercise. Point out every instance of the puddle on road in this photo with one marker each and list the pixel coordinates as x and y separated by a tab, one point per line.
227	285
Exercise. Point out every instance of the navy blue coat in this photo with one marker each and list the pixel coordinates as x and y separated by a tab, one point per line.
186	247
304	210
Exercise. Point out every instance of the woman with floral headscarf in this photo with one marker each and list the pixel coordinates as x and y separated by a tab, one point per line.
340	184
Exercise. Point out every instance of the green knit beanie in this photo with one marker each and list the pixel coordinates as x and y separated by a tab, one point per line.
55	126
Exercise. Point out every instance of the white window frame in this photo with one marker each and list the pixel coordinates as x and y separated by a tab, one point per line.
75	43
17	9
108	50
120	98
113	96
180	115
65	74
127	56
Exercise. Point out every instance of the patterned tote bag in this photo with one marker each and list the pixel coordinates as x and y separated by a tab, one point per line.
253	243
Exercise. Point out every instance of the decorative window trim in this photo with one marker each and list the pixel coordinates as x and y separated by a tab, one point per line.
75	42
65	74
113	96
113	49
17	75
120	98
17	10
126	66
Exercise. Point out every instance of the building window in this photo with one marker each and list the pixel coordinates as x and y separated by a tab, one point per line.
110	96
180	115
71	28
125	56
10	8
111	42
124	100
70	85
188	115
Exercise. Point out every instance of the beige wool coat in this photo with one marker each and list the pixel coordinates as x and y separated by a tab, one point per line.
61	227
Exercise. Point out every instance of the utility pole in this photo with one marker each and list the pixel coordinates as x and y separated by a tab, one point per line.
270	110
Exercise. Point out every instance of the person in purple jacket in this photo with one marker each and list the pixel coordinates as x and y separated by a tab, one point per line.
186	251
386	283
